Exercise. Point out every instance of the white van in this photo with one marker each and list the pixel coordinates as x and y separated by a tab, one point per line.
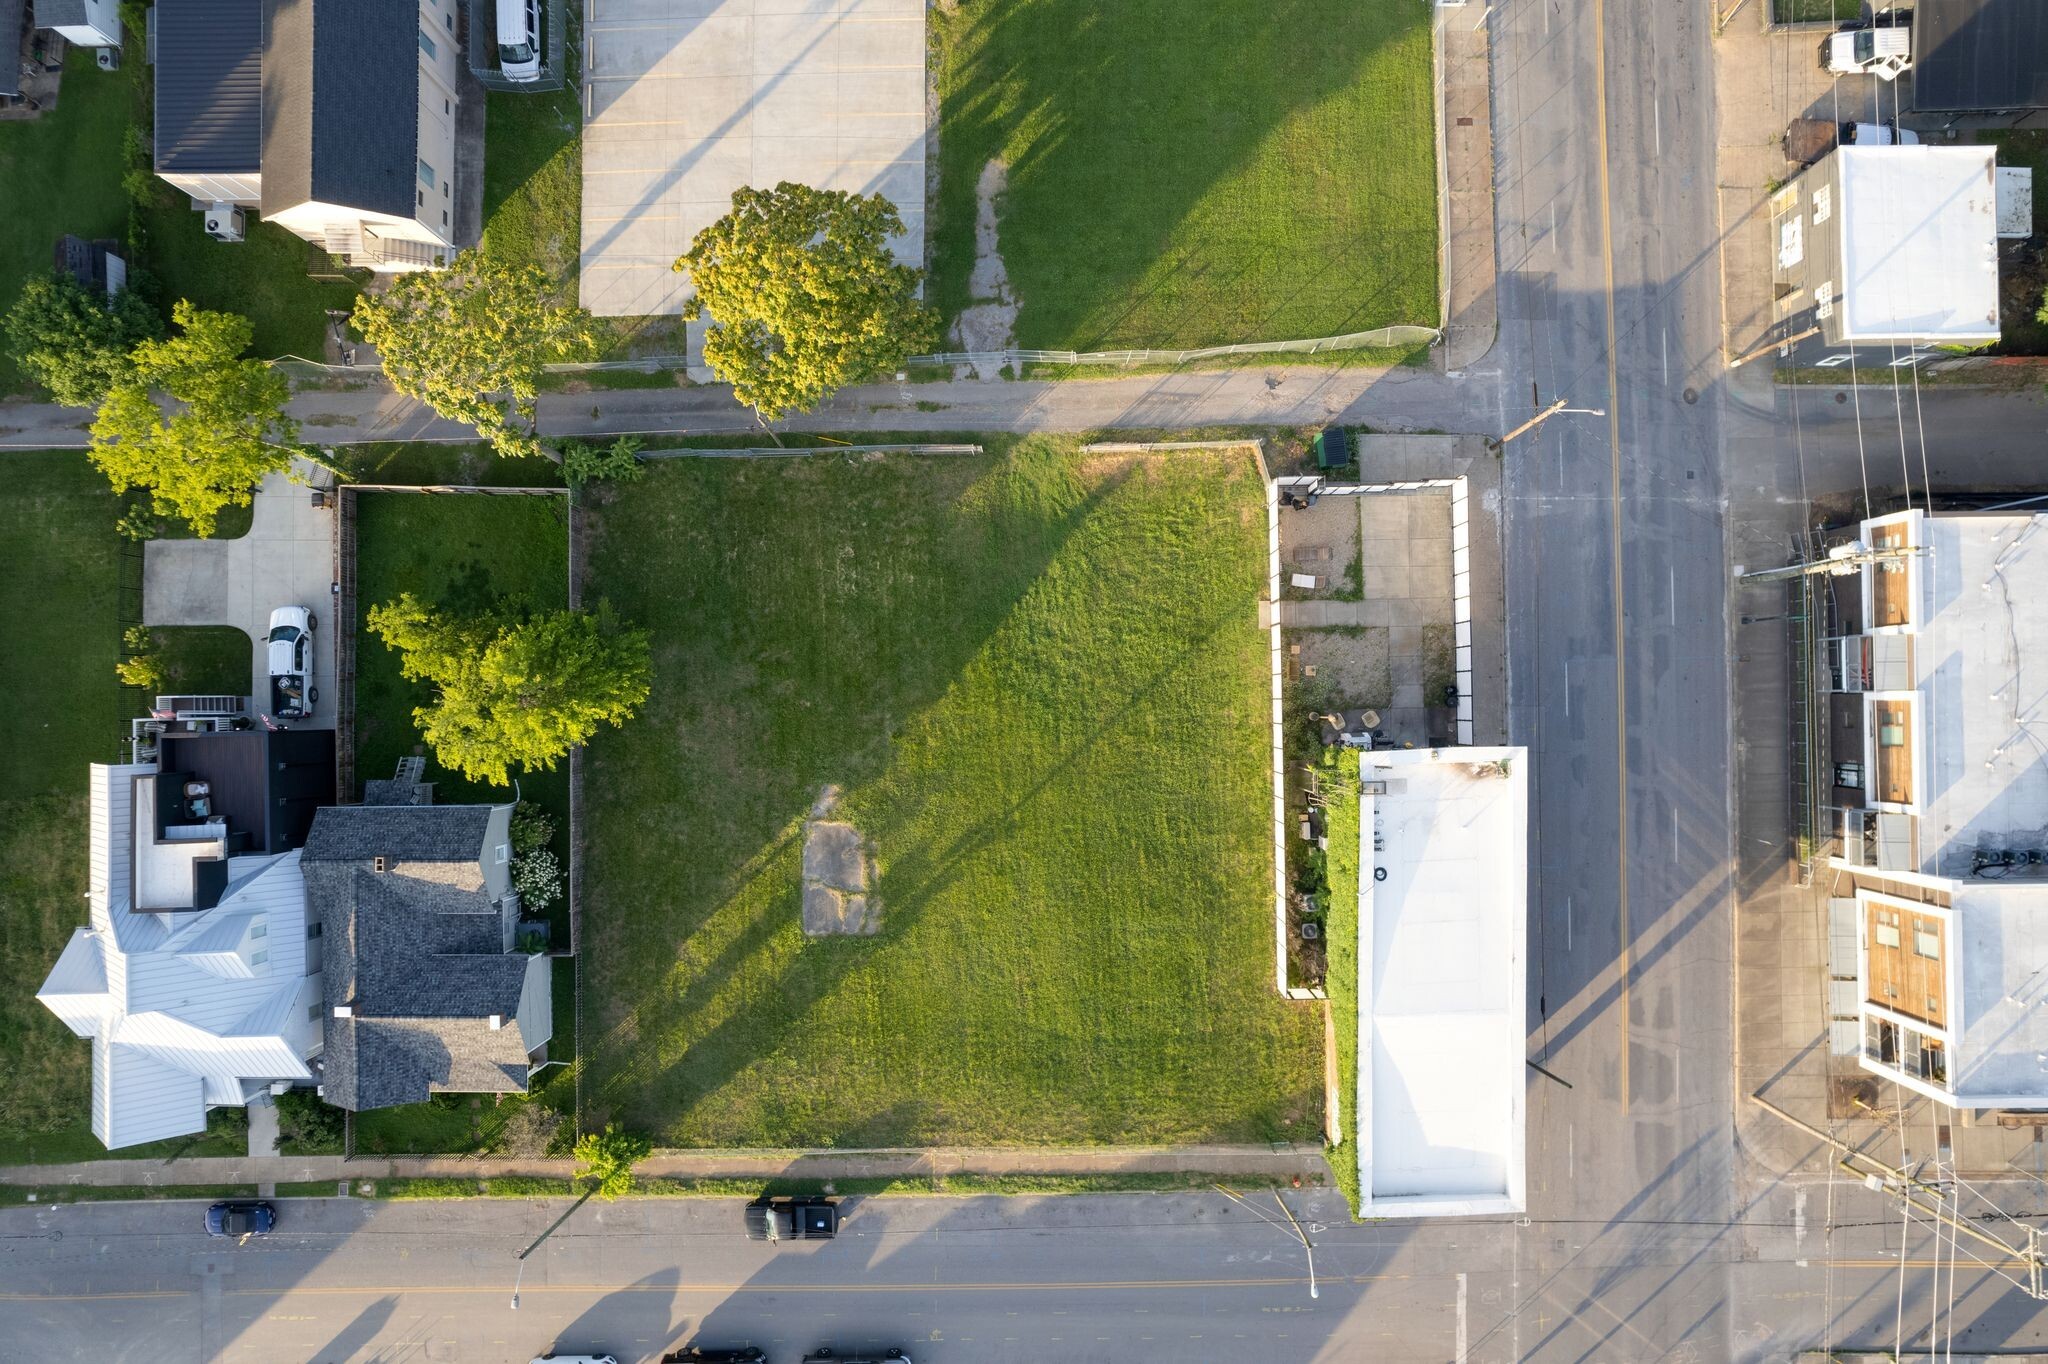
519	39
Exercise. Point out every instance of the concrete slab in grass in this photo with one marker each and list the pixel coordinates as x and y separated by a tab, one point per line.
689	100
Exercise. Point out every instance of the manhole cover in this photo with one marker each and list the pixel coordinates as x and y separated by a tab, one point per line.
1841	397
1692	395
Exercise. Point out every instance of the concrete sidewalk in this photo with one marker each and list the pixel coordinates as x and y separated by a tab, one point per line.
1256	1161
1465	186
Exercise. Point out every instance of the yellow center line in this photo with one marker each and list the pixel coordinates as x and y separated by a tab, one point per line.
1614	440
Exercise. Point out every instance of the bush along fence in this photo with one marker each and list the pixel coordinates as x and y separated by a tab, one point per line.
1383	338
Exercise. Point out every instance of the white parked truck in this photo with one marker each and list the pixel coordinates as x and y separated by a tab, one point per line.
1883	48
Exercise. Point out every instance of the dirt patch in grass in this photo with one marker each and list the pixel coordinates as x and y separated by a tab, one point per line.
1322	541
1349	665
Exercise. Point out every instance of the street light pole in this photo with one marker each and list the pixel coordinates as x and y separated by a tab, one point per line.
1547	413
518	1278
1306	1247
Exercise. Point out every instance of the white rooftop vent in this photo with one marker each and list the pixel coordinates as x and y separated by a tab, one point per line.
343	1011
497	1022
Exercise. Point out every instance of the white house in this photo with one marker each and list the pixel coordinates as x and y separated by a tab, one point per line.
87	23
197	976
1939	787
334	119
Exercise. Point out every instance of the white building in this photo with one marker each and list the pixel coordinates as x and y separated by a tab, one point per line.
1442	966
1939	786
333	118
1896	245
85	23
197	977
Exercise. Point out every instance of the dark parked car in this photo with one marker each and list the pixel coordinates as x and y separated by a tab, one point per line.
793	1219
822	1355
242	1217
697	1354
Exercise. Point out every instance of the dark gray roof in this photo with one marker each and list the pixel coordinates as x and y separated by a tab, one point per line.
413	833
416	952
1980	55
341	82
61	14
10	29
209	86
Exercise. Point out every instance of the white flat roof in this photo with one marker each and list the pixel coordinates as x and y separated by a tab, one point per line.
2002	1028
1919	243
1979	661
1442	904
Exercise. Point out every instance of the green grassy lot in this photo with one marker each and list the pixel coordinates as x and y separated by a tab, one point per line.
262	277
533	174
1340	784
1815	11
65	170
1038	680
205	660
1183	175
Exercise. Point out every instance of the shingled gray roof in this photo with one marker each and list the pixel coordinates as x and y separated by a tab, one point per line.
417	954
341	81
209	86
10	25
61	14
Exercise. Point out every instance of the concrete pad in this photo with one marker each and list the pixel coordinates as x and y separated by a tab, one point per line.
834	856
286	559
689	100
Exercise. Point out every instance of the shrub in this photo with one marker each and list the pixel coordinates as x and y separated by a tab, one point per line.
532	1130
584	463
538	879
532	828
142	668
309	1123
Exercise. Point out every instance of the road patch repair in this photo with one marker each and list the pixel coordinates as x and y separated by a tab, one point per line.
837	875
686	101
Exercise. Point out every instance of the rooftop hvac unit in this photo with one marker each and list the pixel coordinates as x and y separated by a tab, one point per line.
224	223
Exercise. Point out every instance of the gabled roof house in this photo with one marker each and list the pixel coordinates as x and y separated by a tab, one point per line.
197	975
336	119
425	992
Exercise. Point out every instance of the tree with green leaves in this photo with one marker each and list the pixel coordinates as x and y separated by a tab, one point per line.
803	296
473	341
514	688
193	422
606	1159
75	341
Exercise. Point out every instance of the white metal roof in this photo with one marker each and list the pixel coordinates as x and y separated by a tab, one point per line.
1979	663
2000	1054
184	1010
1919	237
1443	851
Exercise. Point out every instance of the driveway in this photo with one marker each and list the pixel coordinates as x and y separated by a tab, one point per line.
286	559
686	101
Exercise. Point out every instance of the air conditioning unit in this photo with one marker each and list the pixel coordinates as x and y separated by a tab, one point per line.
224	223
109	58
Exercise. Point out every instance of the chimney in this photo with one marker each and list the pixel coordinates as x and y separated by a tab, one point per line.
380	864
497	1022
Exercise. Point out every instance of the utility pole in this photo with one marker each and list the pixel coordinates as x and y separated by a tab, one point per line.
1845	560
1890	1180
1547	413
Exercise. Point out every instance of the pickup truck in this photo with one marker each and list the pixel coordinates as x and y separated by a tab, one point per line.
1882	47
290	654
793	1219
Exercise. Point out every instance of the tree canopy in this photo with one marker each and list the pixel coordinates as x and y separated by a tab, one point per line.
193	422
75	341
607	1158
514	689
803	295
473	341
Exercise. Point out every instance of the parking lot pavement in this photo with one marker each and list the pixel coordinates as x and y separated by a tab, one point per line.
286	559
689	100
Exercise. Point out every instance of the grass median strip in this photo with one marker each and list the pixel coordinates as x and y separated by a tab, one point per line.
895	1186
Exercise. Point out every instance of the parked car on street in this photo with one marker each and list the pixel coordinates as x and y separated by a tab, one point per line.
575	1359
697	1354
240	1217
809	1218
822	1354
290	654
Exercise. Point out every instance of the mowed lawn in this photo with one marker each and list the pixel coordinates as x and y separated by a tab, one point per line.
1039	682
1191	174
